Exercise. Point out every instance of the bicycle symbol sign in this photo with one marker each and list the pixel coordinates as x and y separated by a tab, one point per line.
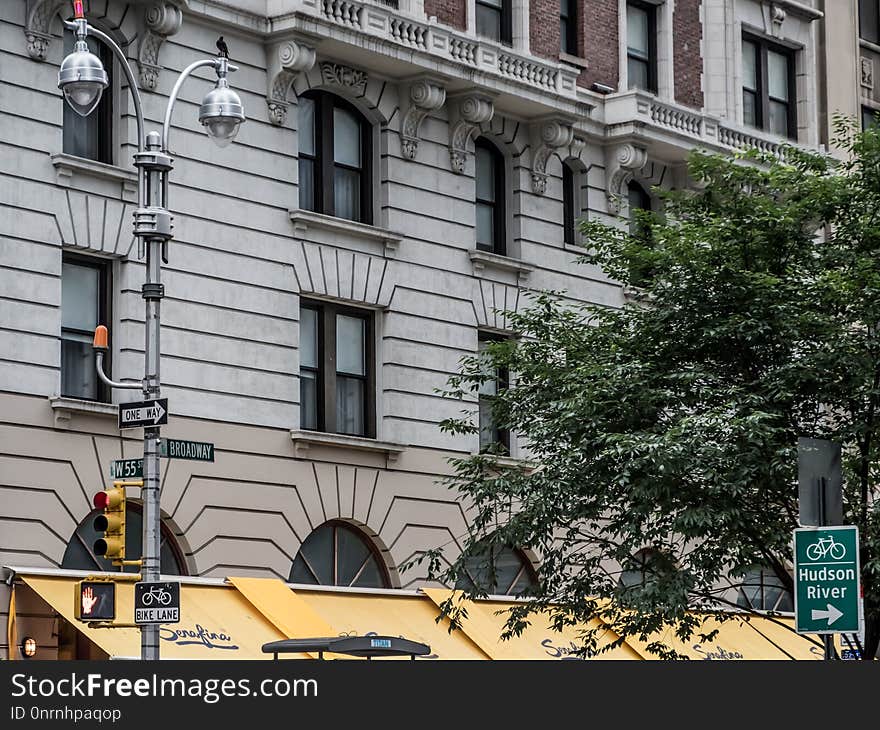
157	603
827	580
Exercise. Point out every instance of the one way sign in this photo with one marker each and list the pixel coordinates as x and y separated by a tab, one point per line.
143	414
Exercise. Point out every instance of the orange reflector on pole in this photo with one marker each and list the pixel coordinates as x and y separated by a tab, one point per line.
100	342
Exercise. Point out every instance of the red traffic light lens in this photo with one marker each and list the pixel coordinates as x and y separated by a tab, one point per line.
101	500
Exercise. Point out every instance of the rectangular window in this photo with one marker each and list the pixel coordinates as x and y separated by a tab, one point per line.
869	117
768	87
641	45
337	392
91	137
568	26
489	432
869	20
494	20
85	294
569	196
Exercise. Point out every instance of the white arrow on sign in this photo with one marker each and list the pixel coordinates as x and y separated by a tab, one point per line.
832	614
160	411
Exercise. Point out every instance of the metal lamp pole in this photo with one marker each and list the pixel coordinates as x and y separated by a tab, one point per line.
82	78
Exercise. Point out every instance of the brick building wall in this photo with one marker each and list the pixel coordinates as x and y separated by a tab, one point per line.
687	31
598	38
544	28
448	12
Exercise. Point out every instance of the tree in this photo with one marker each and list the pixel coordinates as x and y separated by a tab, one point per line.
672	422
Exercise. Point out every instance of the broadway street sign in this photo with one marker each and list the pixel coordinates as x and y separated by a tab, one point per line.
826	580
192	450
157	603
143	414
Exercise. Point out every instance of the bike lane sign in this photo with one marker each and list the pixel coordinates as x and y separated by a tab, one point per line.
827	584
157	603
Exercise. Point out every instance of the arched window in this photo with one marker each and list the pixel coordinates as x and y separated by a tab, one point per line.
80	554
91	137
338	554
490	195
762	590
334	157
644	568
499	571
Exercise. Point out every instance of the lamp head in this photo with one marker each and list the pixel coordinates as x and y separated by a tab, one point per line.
221	112
82	78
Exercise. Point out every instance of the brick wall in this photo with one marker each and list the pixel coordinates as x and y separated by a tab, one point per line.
544	28
687	32
598	39
448	12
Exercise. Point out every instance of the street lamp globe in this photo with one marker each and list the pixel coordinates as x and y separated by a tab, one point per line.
222	113
82	78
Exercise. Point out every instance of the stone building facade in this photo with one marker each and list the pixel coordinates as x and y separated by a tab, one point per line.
477	140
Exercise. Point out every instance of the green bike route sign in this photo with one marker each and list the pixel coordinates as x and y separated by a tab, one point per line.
827	585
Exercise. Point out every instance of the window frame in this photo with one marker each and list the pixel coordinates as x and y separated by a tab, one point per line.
499	205
102	117
335	525
651	60
762	93
568	38
502	381
505	31
105	299
323	162
326	371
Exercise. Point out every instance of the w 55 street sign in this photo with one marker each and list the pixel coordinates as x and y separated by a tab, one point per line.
827	585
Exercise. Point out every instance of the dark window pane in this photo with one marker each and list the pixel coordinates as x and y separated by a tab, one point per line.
750	65
488	22
485	174
779	118
347	193
371	576
78	376
499	570
306	184
638	31
869	20
488	432
869	117
308	396
306	130
350	341
308	338
79	296
350	405
569	214
317	557
351	554
777	75
335	554
346	138
750	108
638	74
485	226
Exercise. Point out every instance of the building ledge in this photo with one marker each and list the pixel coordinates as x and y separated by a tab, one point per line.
305	219
577	61
65	408
303	440
66	166
508	462
483	260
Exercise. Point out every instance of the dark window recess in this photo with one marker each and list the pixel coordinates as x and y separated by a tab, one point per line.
498	570
568	20
91	137
335	153
569	205
337	554
490	197
638	199
85	303
337	385
869	20
641	46
490	434
768	87
869	117
495	20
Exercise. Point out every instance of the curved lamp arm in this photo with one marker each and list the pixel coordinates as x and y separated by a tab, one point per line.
99	366
216	63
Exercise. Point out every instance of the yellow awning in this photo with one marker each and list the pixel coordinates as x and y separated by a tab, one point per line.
790	643
407	615
217	622
484	626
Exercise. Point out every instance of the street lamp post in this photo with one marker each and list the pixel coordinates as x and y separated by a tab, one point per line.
82	79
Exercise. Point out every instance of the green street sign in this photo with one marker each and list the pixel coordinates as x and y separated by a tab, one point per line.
192	450
126	468
827	585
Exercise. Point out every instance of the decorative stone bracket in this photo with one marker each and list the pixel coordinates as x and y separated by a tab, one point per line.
36	29
424	95
161	20
621	163
546	136
466	113
286	60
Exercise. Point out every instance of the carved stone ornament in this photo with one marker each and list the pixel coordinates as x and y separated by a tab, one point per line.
467	113
867	72
36	29
161	20
286	60
425	95
341	75
622	161
547	135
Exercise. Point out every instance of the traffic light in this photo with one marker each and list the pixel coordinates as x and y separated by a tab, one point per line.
112	523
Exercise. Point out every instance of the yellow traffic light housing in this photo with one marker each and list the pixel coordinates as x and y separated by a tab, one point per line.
111	523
